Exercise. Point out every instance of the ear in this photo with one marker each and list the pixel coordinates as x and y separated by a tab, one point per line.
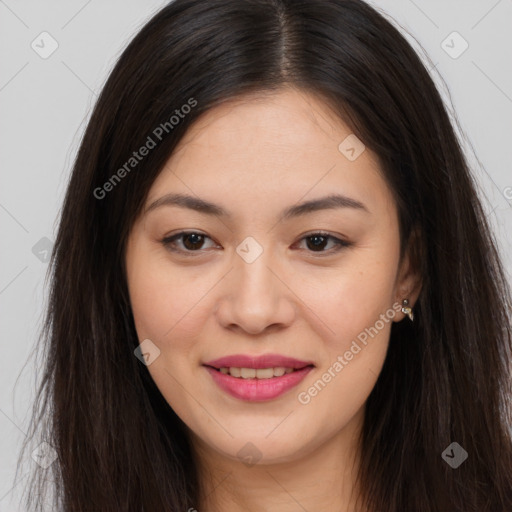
409	279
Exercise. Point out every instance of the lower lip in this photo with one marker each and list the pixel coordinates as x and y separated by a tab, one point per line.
258	390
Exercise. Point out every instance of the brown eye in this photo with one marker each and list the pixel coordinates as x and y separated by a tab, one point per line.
317	242
191	241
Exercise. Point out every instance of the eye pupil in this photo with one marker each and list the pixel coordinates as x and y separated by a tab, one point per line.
195	240
319	241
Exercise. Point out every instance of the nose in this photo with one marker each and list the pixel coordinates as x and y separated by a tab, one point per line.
256	297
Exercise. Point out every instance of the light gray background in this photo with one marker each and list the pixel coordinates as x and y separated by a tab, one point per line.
45	104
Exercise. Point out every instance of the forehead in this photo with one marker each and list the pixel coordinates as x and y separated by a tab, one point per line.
276	122
276	147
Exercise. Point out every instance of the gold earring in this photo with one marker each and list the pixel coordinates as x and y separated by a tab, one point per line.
406	309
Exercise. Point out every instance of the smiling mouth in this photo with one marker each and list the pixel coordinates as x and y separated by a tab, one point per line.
257	373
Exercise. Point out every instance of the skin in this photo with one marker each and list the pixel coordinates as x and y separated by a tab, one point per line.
256	156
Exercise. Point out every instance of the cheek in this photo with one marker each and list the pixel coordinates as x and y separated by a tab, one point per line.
359	314
352	300
166	303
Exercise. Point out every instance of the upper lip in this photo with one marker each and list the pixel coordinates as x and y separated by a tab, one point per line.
262	361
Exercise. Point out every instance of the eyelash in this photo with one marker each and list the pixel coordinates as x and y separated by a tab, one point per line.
169	243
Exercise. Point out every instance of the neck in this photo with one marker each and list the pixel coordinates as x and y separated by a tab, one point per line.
322	479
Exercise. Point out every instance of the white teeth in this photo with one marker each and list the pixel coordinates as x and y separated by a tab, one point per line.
253	373
264	373
247	373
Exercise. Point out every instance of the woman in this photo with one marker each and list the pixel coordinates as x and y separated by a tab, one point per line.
274	286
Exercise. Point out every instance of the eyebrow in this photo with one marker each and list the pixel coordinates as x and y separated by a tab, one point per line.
332	201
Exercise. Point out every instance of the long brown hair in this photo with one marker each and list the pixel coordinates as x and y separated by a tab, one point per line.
447	376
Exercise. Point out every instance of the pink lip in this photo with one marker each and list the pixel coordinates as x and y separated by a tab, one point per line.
263	361
258	390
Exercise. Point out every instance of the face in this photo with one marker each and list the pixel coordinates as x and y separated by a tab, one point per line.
319	284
